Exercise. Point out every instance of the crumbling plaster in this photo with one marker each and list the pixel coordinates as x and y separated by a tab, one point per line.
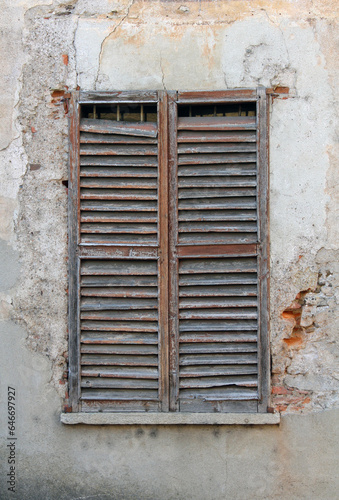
55	46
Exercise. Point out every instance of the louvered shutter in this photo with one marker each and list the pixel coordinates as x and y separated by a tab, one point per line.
168	253
217	273
116	179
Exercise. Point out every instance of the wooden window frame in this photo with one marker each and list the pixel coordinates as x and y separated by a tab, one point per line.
167	109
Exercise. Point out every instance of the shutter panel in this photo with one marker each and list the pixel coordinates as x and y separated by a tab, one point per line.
215	263
119	264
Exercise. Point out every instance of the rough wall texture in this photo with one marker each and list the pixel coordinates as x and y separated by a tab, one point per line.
54	46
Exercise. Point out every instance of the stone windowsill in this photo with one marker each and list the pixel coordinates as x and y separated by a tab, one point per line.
171	418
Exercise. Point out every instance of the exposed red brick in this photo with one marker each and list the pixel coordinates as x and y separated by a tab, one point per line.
65	59
279	390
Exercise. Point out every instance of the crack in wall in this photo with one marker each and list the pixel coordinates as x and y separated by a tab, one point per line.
129	6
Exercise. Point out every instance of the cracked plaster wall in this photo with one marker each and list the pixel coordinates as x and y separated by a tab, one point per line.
55	46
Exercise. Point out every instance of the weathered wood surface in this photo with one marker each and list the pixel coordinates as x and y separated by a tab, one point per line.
124	128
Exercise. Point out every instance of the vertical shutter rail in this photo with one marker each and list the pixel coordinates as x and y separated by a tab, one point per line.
263	207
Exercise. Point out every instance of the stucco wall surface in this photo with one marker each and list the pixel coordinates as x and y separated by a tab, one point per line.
51	47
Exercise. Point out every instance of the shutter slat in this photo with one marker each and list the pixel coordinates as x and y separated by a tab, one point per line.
114	127
120	349
117	172
239	147
140	315
118	194
123	394
197	266
117	206
132	217
96	138
218	203
249	336
114	383
118	338
218	359
210	182
138	292
118	360
216	215
205	159
217	370
217	325
207	382
217	123
219	291
229	169
221	302
220	394
119	161
217	279
118	267
118	150
118	326
119	228
118	183
89	304
224	227
220	313
216	136
120	372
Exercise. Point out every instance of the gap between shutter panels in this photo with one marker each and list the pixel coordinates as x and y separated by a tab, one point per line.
218	297
119	297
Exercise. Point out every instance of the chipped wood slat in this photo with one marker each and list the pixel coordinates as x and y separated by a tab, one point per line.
118	338
218	381
115	383
95	138
217	123
215	136
125	96
216	96
119	394
142	129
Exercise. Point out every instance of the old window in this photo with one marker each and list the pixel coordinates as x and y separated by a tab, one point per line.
168	252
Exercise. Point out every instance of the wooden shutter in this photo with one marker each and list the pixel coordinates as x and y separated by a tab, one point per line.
168	254
117	181
217	275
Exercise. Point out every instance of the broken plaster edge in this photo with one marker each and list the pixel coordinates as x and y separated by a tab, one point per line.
170	418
